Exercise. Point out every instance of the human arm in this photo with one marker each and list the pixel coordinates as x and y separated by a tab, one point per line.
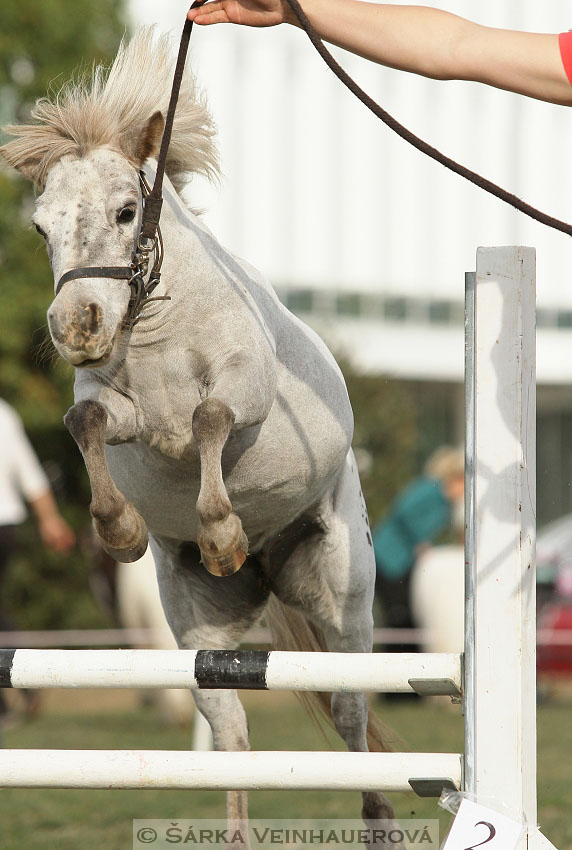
422	40
23	476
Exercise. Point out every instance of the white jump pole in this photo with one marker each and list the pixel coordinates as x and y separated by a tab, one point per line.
500	649
326	771
437	673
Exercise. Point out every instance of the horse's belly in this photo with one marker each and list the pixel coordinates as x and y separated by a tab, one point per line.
272	472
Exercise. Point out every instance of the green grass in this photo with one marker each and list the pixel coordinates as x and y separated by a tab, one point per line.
101	820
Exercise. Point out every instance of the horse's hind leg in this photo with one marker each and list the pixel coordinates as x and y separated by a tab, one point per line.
329	578
121	529
207	613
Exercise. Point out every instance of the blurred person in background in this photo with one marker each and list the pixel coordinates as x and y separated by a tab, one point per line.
22	480
417	518
422	40
437	597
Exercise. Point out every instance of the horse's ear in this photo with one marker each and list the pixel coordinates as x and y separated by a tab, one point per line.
141	146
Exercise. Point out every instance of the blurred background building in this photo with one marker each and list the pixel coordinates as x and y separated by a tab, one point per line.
369	241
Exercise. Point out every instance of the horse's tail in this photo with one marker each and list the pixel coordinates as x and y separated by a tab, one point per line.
292	632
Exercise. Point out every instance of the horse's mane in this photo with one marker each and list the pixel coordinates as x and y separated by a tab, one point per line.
109	106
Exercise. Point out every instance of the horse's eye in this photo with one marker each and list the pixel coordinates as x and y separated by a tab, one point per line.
42	233
126	215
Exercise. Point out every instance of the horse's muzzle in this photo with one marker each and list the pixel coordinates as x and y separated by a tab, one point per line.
79	334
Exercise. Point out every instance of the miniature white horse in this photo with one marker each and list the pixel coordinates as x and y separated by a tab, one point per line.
220	422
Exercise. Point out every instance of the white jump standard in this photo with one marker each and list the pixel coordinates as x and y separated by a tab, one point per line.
500	502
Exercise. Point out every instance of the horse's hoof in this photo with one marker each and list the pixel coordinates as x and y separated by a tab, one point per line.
131	530
229	563
127	556
135	548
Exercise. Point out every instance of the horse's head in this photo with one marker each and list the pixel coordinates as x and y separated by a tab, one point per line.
89	214
84	154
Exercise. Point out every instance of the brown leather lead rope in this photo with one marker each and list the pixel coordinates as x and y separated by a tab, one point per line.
418	143
154	201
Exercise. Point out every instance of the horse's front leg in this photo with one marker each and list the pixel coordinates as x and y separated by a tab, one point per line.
121	529
222	541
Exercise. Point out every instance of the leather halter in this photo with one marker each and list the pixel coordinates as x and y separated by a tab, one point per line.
149	240
134	273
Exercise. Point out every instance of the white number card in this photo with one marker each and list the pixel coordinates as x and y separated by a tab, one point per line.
477	826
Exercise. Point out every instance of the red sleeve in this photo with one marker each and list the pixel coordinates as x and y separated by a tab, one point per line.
565	40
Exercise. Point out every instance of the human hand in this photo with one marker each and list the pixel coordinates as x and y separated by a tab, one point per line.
56	534
251	13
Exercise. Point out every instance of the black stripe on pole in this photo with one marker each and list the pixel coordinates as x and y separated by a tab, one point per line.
6	661
231	668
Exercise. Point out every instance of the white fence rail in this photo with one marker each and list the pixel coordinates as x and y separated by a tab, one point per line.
39	638
225	771
59	639
243	669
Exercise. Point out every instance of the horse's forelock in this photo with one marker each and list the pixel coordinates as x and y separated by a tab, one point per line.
35	150
109	107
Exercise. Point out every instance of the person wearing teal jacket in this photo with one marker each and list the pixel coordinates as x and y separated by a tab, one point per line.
419	515
416	519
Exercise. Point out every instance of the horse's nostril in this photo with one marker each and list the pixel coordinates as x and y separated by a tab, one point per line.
53	324
90	319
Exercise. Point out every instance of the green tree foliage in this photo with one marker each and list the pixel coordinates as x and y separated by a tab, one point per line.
386	436
398	425
41	46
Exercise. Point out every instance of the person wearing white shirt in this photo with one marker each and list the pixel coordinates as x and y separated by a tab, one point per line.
22	480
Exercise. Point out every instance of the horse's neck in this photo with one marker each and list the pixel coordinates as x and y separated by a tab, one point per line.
207	273
213	293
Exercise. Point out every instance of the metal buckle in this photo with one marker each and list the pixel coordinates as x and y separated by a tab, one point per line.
145	244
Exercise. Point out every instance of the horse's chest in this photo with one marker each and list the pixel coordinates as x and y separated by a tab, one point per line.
163	488
167	403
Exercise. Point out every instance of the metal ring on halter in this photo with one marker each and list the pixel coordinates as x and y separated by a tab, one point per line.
147	248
